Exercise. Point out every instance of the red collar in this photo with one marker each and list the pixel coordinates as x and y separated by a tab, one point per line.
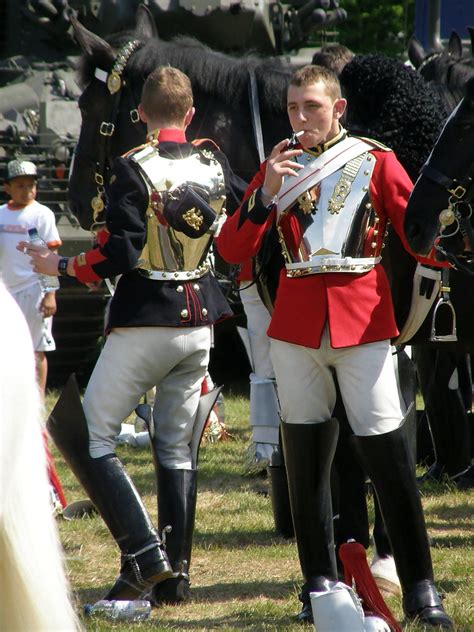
167	135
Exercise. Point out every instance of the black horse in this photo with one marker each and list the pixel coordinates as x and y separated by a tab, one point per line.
224	88
447	70
446	181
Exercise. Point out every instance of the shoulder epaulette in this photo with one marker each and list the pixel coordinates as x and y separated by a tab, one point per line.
128	153
375	143
205	143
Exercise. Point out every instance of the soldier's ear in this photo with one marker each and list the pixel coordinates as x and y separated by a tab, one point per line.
189	116
142	114
339	107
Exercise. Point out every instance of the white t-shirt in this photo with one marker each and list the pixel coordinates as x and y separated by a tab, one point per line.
15	267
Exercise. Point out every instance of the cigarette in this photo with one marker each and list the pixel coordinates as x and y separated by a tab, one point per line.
294	138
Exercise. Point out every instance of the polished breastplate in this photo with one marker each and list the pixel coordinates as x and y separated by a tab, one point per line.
169	253
330	227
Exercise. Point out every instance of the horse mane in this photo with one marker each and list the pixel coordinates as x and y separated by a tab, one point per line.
34	594
392	103
212	73
448	73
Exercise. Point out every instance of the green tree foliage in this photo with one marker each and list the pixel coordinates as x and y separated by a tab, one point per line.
377	26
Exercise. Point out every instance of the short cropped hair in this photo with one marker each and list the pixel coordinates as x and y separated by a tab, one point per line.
167	94
333	56
312	74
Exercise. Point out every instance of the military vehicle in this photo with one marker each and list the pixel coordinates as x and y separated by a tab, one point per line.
40	120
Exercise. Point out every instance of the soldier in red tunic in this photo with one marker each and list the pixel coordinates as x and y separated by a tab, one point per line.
330	197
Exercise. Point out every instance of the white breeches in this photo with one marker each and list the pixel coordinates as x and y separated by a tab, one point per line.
174	359
366	378
258	321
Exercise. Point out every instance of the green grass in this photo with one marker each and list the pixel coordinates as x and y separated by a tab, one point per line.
244	576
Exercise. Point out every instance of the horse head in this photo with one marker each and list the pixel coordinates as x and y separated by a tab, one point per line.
221	88
443	193
446	69
108	103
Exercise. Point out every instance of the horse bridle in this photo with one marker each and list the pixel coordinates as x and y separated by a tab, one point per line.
114	83
458	212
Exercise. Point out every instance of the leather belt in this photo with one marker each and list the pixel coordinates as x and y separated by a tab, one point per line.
177	275
323	265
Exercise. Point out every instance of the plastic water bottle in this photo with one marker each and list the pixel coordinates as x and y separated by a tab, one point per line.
48	283
219	407
137	610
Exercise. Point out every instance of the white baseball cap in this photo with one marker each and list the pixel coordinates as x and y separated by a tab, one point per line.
16	168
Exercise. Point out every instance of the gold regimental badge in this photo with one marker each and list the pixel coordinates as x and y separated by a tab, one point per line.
193	218
97	204
114	82
447	217
341	191
343	187
308	200
305	203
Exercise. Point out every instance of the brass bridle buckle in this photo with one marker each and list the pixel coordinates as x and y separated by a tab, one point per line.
106	128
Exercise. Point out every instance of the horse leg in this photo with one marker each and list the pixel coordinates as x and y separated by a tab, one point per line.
447	416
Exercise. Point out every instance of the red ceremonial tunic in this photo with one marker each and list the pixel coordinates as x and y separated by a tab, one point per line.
357	307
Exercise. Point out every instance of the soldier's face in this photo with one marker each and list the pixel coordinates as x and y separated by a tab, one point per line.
22	189
312	110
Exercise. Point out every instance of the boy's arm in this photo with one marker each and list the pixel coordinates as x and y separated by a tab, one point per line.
48	304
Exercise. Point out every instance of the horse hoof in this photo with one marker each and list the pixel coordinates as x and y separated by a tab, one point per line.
385	574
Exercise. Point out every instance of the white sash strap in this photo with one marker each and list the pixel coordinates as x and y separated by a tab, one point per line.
322	167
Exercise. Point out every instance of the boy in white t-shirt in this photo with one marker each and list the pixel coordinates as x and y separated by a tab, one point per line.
21	213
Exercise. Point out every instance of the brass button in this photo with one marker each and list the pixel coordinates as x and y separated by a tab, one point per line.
368	206
180	288
204	312
184	313
374	244
196	287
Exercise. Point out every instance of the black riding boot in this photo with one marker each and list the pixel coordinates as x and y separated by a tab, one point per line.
309	450
387	460
279	494
177	493
144	562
